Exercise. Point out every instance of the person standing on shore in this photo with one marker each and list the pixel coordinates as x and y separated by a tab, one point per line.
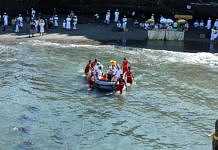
37	25
124	23
41	25
33	14
68	22
209	24
107	17
202	23
116	15
64	24
5	19
32	29
17	25
56	21
97	17
20	19
75	22
216	24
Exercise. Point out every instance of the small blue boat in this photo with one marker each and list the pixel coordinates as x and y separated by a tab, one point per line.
108	86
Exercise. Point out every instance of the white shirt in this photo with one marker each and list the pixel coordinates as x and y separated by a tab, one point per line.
209	24
201	24
116	13
42	24
5	17
56	21
216	23
124	19
75	19
119	25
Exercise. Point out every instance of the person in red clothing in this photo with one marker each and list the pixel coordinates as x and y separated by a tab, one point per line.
120	84
94	63
88	68
125	65
129	76
91	81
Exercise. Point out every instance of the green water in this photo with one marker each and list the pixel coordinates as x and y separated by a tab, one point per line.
45	104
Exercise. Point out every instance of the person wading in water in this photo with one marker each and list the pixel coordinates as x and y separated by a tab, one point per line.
88	68
129	76
125	65
120	84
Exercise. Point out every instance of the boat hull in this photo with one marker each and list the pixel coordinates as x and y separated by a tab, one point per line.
105	85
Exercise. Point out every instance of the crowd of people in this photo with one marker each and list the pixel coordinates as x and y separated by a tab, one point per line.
121	75
120	21
37	23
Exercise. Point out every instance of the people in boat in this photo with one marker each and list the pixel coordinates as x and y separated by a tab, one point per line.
116	73
125	65
98	70
129	76
88	67
104	77
110	74
94	63
120	84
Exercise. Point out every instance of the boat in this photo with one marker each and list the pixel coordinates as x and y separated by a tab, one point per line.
108	86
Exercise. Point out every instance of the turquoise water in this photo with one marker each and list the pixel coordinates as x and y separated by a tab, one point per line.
45	103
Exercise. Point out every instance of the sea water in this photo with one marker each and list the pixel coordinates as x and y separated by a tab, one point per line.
45	103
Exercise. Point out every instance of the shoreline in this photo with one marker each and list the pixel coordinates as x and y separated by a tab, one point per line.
95	34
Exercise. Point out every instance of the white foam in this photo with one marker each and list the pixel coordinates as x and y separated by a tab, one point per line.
161	56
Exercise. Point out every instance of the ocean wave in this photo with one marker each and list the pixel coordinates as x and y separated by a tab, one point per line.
162	56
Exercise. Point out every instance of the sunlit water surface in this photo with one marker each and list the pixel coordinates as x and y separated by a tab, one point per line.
45	104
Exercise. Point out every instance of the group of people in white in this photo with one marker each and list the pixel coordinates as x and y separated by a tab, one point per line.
210	25
70	23
121	22
37	24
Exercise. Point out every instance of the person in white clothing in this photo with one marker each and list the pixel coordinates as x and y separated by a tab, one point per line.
20	19
56	20
202	24
33	14
17	22
118	73
64	24
116	15
124	23
5	19
75	19
107	17
216	24
196	24
209	21
68	22
37	25
41	25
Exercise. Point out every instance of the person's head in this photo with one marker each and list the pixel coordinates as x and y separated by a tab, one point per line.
90	61
129	68
95	60
124	58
